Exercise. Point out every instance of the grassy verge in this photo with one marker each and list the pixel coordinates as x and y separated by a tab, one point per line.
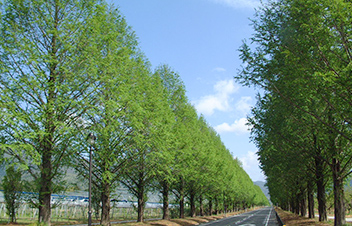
289	218
185	222
172	222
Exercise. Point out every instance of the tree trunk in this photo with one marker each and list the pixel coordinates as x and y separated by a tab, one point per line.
216	205
319	174
182	206
140	204
210	205
182	199
192	203
244	205
201	208
45	187
13	211
297	202
47	139
338	193
310	200
225	207
292	206
303	206
166	212
105	208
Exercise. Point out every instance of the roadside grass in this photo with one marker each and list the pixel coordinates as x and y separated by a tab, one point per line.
173	222
186	221
289	218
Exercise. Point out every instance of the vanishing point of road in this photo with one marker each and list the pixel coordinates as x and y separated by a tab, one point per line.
263	217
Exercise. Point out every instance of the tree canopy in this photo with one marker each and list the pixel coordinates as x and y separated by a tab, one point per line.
73	68
300	56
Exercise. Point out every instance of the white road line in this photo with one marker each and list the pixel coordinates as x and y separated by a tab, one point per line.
268	217
238	222
249	216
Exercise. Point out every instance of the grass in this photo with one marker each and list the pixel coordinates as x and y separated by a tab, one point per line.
289	218
182	222
172	222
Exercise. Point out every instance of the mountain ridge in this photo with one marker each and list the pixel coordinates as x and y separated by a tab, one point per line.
264	188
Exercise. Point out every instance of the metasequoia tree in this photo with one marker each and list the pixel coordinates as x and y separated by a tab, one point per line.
45	85
151	134
175	95
118	66
69	68
283	137
303	55
186	120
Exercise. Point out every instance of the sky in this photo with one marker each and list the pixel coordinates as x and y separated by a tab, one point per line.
199	39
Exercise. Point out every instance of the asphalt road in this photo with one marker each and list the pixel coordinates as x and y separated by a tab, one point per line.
265	217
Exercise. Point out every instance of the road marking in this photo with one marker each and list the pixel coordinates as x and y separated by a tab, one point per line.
238	222
249	216
268	217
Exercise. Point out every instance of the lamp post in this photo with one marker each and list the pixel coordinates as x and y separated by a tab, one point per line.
91	141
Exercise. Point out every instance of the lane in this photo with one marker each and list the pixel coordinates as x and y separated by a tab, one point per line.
263	217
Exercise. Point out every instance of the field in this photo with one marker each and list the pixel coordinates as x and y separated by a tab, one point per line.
73	213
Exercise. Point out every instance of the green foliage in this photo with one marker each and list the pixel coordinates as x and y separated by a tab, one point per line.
70	68
45	79
301	58
12	186
348	199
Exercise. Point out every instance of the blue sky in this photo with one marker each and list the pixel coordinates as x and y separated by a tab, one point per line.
199	39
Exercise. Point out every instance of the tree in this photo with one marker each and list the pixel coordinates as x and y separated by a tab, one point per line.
284	138
303	57
151	133
119	68
12	191
176	97
184	160
46	79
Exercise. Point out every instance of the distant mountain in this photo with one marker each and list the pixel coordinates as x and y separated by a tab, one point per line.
265	190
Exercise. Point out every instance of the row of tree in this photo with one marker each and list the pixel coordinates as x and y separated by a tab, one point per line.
301	57
71	68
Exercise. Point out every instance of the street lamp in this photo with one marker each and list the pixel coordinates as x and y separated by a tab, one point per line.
91	141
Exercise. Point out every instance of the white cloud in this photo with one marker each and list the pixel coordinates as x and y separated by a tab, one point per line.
220	100
244	104
250	164
239	3
219	69
238	127
208	104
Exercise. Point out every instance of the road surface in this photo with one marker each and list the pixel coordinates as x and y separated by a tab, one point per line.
263	217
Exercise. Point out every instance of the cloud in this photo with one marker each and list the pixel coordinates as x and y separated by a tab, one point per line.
244	104
238	127
239	3
250	164
219	69
220	100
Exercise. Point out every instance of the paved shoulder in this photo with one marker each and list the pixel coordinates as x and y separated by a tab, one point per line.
265	216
